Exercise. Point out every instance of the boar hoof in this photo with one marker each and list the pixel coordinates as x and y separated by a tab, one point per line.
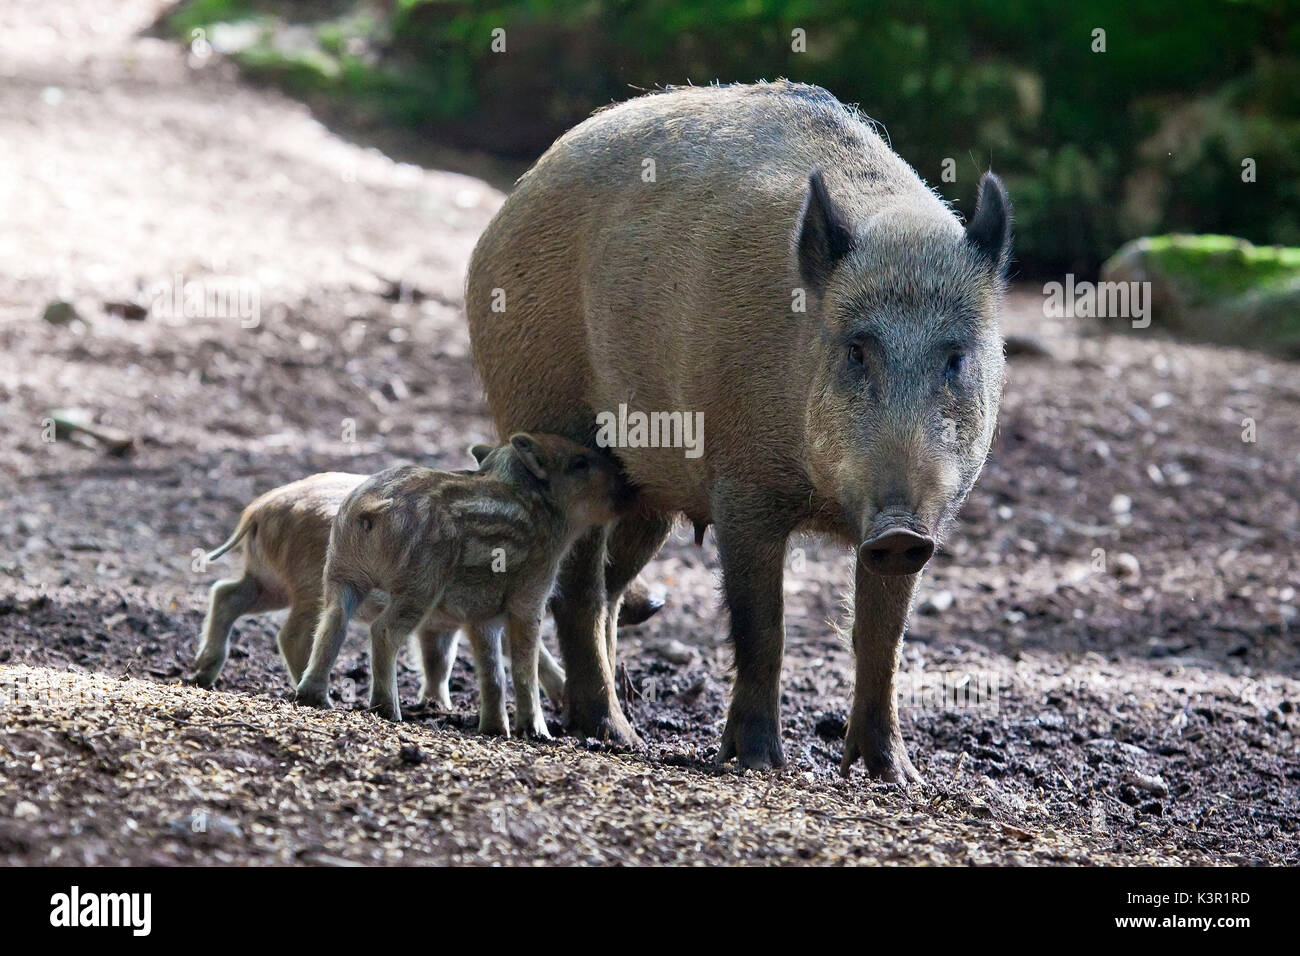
605	723
889	763
754	742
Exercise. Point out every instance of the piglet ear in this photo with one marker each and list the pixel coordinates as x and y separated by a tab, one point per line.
527	451
824	235
480	452
989	231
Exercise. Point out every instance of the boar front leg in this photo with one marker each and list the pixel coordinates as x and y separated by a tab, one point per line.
525	640
880	608
752	547
590	707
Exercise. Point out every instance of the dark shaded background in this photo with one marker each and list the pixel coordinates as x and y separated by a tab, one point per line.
1096	147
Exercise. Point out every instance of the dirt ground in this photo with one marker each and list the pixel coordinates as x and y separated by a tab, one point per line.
1140	700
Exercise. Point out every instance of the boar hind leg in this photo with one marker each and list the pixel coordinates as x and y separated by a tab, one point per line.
752	549
880	607
338	604
387	633
230	600
580	606
633	541
485	640
524	644
437	657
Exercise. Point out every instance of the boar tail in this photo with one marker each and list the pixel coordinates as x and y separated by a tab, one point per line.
245	526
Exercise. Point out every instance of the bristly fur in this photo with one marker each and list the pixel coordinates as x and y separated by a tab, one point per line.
865	412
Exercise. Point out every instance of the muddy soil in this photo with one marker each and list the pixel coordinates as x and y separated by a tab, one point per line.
1117	608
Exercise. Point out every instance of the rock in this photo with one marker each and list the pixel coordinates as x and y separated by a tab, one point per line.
1051	719
60	312
26	810
125	309
1216	289
936	603
1125	567
1121	504
675	652
1148	784
76	422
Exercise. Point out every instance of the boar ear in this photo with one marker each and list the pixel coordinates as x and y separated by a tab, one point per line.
480	452
824	234
526	448
989	232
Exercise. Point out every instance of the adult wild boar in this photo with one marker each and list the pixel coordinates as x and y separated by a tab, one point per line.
757	254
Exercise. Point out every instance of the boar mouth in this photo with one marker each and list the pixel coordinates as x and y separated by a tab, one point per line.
896	551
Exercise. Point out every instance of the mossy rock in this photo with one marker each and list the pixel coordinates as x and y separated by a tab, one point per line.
1217	289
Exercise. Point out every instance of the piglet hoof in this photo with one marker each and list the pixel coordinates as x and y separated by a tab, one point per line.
885	757
386	709
493	725
753	741
532	729
638	607
200	678
436	697
312	695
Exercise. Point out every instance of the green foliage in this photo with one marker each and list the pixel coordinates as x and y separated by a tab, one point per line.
1096	147
1217	289
1214	267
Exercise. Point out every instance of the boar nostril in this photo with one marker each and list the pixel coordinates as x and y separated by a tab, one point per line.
897	552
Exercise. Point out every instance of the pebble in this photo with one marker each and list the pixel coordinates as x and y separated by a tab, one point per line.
1148	783
1051	719
675	652
60	312
936	603
1126	567
1121	504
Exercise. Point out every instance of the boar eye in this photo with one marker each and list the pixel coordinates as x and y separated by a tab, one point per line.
855	354
956	364
578	465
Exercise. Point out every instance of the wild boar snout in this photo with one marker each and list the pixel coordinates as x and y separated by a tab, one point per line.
897	551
